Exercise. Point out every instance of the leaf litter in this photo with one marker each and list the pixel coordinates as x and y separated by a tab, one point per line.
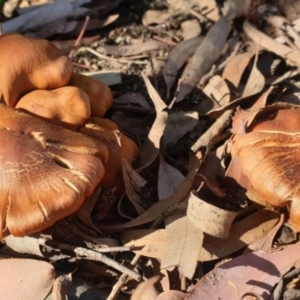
185	208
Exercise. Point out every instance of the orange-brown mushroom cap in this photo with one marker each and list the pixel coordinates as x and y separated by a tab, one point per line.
103	130
27	64
46	172
99	93
270	159
68	106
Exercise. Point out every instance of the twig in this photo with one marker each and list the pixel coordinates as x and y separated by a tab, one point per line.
158	38
119	60
80	36
153	71
82	66
91	255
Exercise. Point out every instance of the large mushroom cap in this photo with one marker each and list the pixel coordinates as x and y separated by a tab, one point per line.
27	64
99	93
68	106
46	172
270	159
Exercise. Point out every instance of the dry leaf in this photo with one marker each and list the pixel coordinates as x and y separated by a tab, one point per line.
150	148
169	179
156	16
267	42
146	289
153	242
184	241
204	57
25	279
177	58
61	287
132	99
190	29
255	273
178	124
218	91
171	295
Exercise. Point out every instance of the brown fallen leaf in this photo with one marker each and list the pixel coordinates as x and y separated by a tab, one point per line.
190	29
25	279
153	242
255	273
150	148
205	56
184	241
152	16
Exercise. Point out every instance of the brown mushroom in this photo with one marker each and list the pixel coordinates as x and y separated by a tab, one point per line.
270	159
27	64
67	106
104	131
99	93
47	172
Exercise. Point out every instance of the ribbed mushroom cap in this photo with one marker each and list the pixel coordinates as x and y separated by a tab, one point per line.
270	159
99	93
27	64
68	106
47	172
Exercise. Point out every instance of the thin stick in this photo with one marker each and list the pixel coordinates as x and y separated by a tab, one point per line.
91	255
80	36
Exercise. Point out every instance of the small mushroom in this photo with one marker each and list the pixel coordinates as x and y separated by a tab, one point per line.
99	93
28	64
47	172
270	159
105	131
67	106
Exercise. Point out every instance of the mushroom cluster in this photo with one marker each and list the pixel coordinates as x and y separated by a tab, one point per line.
269	155
56	147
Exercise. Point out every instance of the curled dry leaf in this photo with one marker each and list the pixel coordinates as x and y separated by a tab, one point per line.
209	218
177	58
255	273
269	159
25	279
61	287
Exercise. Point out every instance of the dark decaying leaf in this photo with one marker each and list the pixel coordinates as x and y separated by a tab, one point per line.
177	58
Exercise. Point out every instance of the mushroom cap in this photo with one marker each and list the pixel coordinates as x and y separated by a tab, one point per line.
27	64
99	93
67	106
270	159
104	130
47	172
